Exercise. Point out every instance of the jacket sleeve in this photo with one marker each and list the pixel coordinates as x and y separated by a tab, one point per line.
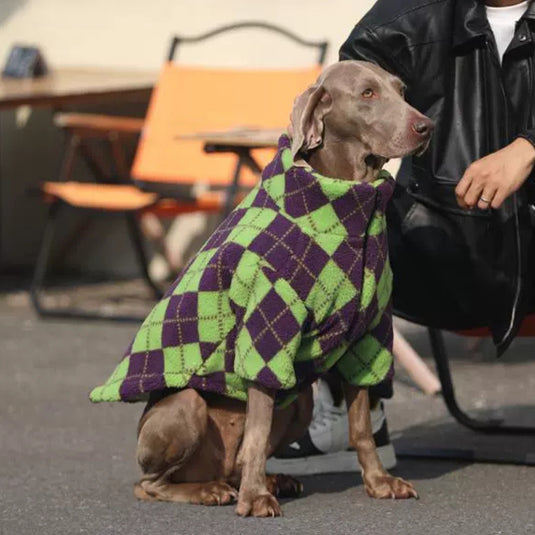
528	134
384	44
269	323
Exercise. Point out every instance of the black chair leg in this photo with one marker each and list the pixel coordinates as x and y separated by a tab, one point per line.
137	242
483	426
40	272
232	190
42	261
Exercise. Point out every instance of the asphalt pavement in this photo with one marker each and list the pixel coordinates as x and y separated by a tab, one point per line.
67	466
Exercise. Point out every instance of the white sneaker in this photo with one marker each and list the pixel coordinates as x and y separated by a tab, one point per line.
325	446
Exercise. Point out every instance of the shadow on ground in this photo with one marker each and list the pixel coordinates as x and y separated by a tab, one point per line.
411	471
448	439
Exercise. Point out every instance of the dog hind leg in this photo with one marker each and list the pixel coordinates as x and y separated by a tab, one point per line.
207	493
283	486
170	434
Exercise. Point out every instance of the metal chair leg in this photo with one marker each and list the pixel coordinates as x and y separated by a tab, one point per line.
137	242
40	275
483	426
245	159
42	260
232	189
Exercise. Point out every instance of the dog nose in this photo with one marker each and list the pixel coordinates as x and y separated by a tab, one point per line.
423	128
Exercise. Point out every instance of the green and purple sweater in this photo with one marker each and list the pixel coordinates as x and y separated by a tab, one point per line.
294	282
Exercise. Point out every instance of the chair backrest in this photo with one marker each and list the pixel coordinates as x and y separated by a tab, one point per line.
189	100
320	46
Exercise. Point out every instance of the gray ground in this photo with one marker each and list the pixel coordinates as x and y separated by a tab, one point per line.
67	466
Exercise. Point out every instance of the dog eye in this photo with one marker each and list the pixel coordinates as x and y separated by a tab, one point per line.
368	93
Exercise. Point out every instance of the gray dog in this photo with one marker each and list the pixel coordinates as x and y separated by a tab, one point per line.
295	282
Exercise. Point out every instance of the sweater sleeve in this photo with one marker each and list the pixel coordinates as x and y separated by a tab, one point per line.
369	361
270	318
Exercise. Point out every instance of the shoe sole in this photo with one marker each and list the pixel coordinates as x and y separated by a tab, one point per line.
328	463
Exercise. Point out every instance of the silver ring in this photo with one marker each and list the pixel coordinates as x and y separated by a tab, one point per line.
482	199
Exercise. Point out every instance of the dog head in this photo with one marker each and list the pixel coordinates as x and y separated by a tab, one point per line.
359	102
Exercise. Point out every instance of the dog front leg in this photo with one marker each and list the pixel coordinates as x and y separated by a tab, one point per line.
377	481
254	498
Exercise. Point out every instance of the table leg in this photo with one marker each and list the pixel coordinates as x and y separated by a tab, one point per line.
245	159
232	190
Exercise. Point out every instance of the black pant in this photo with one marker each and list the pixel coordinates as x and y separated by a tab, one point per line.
384	390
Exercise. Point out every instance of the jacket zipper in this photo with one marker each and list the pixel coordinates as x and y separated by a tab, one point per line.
514	310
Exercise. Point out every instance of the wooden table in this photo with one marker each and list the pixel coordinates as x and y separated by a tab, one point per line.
240	141
74	86
239	138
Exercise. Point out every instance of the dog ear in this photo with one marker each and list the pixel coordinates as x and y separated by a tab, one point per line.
309	110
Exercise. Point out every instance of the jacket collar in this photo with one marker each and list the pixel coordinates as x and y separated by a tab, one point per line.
470	20
530	13
320	203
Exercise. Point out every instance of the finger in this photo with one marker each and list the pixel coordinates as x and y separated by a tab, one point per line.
461	189
473	194
461	203
498	199
486	197
464	183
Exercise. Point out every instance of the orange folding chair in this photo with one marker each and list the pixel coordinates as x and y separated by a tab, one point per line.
174	175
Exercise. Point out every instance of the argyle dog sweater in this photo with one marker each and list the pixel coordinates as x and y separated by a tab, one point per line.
294	282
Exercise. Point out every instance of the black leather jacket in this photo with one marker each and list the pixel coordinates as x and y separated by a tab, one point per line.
454	268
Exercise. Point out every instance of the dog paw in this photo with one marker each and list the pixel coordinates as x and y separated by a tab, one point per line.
261	506
217	493
389	487
141	494
283	486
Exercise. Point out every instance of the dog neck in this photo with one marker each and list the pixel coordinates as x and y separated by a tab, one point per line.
345	159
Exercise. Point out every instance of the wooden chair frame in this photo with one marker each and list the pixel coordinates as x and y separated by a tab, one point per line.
83	126
76	146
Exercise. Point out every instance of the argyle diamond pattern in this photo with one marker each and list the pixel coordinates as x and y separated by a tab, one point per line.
295	281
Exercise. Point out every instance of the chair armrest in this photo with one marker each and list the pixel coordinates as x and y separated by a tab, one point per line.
93	124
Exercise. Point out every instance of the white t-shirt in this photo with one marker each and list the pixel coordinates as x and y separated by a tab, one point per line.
502	21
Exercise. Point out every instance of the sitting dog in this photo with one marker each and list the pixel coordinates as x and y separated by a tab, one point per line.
295	282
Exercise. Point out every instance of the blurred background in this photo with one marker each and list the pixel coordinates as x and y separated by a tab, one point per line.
127	36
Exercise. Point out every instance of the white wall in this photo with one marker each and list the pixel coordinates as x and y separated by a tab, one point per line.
135	33
130	34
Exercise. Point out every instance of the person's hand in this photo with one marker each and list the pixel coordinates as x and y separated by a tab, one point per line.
490	180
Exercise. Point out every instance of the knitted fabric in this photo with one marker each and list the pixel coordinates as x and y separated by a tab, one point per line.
294	282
